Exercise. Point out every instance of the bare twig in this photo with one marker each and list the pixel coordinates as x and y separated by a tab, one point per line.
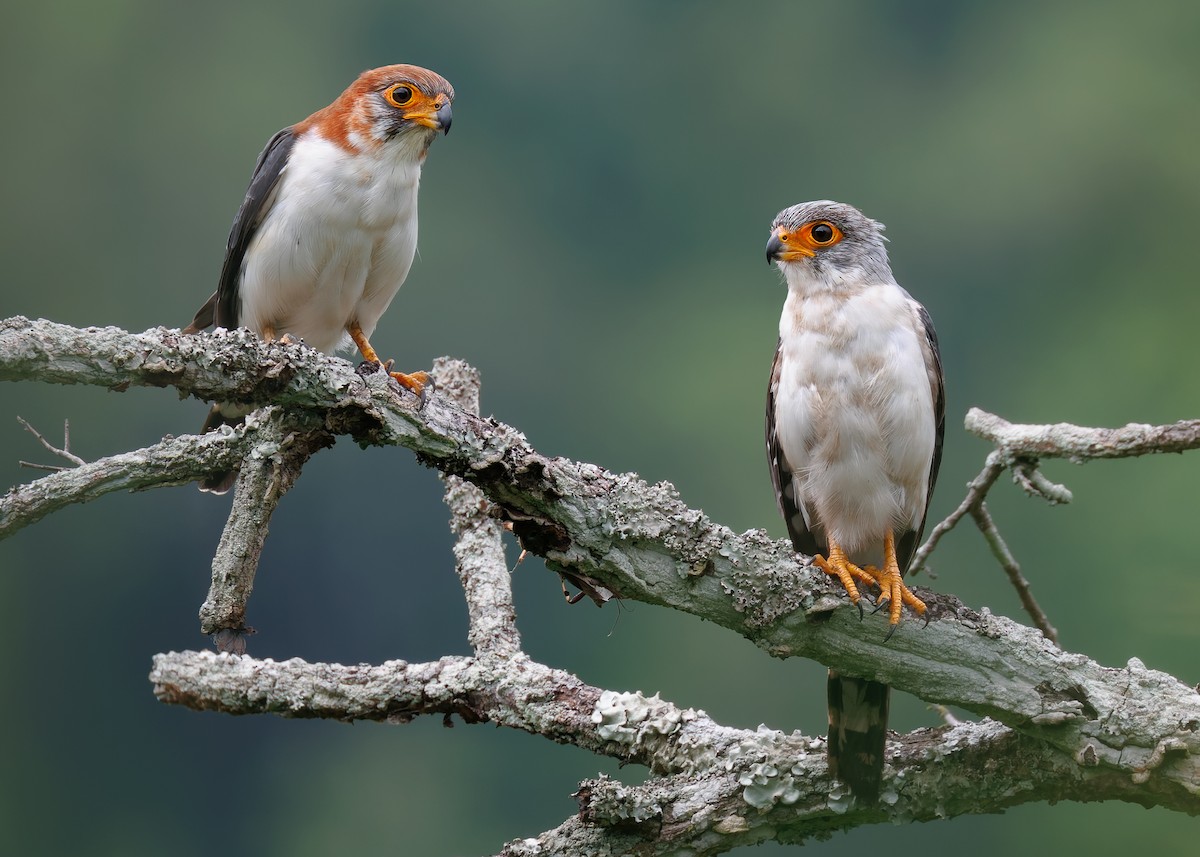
1008	562
1020	447
1034	483
977	490
974	505
33	465
65	452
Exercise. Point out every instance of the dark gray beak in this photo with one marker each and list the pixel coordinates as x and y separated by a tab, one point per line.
444	116
774	248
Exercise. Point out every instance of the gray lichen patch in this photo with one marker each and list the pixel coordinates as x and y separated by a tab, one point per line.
766	785
631	718
770	765
609	802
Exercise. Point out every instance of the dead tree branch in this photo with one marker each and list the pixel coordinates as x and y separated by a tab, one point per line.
1078	444
1020	448
1097	733
268	471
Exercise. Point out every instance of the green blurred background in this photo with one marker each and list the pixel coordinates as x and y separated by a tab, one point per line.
591	239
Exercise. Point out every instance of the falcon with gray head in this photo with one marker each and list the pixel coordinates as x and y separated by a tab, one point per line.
855	418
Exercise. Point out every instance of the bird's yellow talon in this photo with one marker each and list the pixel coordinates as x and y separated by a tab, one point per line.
893	592
414	382
839	566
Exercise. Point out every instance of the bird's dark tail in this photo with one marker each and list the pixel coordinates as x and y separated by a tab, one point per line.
219	483
858	714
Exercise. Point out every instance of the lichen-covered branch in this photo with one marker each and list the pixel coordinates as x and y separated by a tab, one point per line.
934	773
172	461
514	691
479	546
716	788
642	542
268	470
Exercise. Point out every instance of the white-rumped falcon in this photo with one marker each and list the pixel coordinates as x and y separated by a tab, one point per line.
855	418
328	229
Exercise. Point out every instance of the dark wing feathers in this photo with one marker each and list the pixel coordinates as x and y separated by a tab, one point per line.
909	542
222	308
803	539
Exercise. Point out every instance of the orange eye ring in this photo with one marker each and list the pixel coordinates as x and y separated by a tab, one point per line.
794	245
820	233
399	95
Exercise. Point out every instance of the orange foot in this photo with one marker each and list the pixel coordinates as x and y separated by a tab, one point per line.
415	382
891	583
839	566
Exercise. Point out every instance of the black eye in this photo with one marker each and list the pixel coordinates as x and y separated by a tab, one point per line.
822	233
400	95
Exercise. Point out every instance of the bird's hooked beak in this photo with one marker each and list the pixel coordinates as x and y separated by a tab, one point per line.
436	115
444	116
774	247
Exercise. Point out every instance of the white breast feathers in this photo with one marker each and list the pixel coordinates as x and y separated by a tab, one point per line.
855	414
336	244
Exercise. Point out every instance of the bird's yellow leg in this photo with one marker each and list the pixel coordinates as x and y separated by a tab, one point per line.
414	382
839	566
268	335
891	582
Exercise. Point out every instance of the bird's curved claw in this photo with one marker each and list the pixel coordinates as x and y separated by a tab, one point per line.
837	565
417	383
